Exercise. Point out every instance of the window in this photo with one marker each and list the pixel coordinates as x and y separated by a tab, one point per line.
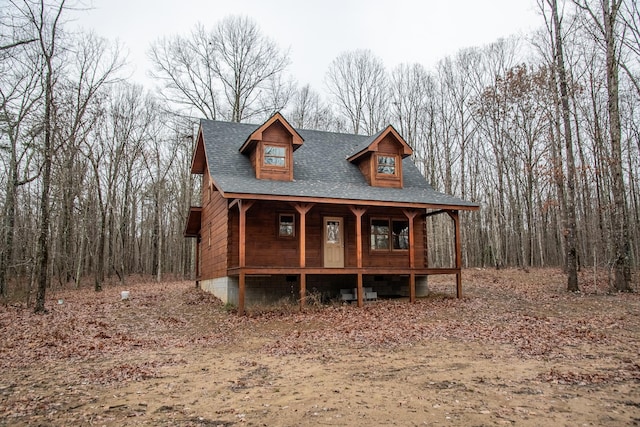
333	232
386	165
388	234
400	231
379	234
275	156
286	225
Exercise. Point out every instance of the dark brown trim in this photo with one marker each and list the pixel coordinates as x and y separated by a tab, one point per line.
373	146
302	210
357	202
278	218
456	224
257	134
249	270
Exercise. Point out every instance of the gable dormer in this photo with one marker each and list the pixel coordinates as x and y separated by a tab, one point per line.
271	147
380	158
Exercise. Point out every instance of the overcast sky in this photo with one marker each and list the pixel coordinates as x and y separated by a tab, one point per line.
315	32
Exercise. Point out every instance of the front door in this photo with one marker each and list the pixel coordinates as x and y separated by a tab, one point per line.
333	242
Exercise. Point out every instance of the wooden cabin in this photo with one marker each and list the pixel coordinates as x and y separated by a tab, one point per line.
285	211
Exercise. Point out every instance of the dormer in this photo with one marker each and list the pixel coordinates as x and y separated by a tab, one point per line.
271	147
380	158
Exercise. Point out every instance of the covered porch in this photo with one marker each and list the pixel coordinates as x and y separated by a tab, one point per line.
358	269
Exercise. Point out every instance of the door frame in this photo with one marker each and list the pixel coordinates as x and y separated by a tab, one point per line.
325	220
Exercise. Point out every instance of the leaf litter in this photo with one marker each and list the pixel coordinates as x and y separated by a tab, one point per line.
100	340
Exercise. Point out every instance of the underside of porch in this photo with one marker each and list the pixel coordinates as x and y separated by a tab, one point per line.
267	286
262	284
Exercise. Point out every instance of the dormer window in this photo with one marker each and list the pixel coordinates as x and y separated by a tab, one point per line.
386	165
275	156
379	158
270	148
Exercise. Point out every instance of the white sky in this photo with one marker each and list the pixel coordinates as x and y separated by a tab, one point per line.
316	32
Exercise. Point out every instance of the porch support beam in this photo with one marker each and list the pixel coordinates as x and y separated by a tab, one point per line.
241	289
359	211
243	207
302	209
456	225
411	214
197	260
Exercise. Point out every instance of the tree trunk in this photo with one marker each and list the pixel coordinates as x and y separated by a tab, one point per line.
569	231
9	225
48	52
620	225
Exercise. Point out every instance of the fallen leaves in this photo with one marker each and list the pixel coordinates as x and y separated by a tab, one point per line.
529	312
397	323
529	315
89	324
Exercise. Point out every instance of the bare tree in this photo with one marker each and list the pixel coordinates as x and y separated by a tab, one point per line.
276	96
246	61
358	83
94	65
131	112
12	34
70	85
45	21
569	213
309	112
20	97
630	15
608	27
411	86
186	69
159	154
232	71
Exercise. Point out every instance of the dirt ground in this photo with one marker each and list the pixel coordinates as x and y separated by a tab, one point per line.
516	350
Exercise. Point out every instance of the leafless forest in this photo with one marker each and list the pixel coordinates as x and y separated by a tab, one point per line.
543	130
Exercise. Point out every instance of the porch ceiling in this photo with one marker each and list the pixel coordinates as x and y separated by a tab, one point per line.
193	222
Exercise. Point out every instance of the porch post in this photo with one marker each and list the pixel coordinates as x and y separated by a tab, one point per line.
243	207
358	212
197	260
302	209
241	285
456	225
303	290
412	287
410	214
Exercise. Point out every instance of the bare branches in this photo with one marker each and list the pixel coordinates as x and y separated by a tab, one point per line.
358	84
16	44
232	71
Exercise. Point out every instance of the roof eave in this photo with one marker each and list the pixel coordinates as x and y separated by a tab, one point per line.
199	159
358	202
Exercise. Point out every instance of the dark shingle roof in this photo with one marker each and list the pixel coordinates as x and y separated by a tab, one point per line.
320	169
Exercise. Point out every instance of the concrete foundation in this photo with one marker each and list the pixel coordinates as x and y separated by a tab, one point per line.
225	288
275	288
422	289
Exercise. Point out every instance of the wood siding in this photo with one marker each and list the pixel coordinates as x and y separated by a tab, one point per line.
214	235
277	135
392	147
365	167
265	249
368	163
233	237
